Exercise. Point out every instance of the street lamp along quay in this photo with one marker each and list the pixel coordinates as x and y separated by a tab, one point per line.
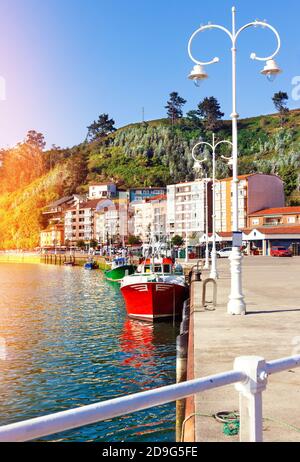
236	304
197	167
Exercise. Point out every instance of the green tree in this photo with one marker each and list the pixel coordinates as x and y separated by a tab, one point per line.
280	102
289	176
23	163
210	111
174	107
35	140
177	241
134	240
101	128
93	244
77	166
193	118
53	156
80	244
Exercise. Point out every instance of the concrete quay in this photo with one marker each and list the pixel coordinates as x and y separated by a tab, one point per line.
270	329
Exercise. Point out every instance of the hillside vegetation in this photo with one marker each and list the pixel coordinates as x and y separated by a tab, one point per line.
146	154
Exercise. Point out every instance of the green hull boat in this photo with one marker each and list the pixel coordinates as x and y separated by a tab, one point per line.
117	274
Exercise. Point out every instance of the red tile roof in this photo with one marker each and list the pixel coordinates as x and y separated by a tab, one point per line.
91	204
222	234
275	211
225	234
275	230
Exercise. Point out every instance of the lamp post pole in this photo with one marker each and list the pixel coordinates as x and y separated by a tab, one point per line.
186	238
212	147
213	271
206	265
236	304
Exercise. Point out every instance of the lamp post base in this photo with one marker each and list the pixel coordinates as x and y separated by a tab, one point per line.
206	264
236	304
213	272
236	307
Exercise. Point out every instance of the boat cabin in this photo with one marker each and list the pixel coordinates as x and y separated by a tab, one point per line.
161	265
117	262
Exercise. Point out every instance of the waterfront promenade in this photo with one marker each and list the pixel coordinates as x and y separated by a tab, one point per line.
78	258
270	329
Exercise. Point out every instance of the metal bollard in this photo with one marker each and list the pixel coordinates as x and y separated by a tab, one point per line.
214	300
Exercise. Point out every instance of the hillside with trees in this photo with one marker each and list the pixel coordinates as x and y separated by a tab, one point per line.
153	153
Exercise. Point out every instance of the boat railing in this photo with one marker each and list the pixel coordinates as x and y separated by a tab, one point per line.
249	375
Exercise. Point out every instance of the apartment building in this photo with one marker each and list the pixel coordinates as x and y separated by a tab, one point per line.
54	212
256	191
52	237
159	214
187	204
142	220
100	228
80	223
112	221
150	217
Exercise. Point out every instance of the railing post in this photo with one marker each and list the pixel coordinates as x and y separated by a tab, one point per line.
251	419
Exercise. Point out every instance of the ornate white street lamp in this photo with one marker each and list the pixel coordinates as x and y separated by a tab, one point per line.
213	147
236	304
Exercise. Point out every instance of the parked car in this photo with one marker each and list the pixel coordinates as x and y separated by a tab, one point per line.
281	251
224	253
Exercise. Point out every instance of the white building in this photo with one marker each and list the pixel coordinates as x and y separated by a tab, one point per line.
159	213
142	220
102	191
100	228
149	217
111	221
186	208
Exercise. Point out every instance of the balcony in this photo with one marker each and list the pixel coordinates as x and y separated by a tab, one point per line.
273	222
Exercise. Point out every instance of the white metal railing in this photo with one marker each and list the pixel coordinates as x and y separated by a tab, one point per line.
250	376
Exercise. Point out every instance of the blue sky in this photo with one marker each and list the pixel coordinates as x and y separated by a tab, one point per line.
65	62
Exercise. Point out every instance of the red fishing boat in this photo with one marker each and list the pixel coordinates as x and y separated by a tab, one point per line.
156	291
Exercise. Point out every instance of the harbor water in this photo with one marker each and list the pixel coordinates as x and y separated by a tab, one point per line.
66	342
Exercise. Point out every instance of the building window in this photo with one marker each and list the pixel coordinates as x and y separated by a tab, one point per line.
291	219
255	221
